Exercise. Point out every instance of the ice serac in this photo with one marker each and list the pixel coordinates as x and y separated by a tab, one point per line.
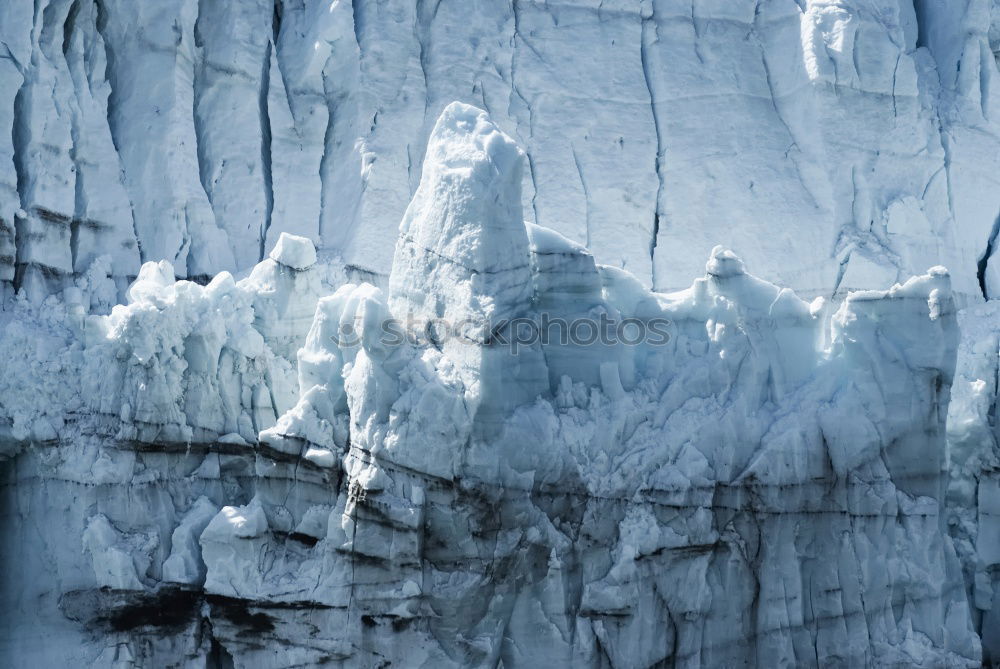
462	260
765	486
462	251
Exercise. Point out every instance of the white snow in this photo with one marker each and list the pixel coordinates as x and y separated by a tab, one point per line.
295	252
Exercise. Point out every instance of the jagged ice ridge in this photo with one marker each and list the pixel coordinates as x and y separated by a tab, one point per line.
766	488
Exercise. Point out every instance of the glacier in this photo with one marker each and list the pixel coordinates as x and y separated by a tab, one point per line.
239	482
214	214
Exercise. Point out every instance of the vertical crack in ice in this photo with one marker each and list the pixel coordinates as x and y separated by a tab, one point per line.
109	76
984	259
696	27
356	24
841	271
276	22
8	228
859	575
856	56
774	95
528	143
800	141
324	166
946	146
20	138
409	170
79	200
586	192
184	252
895	72
652	249
921	19
200	69
421	27
265	142
986	63
79	196
68	26
534	185
649	36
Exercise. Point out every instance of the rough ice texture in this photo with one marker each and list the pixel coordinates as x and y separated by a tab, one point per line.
974	485
767	488
839	144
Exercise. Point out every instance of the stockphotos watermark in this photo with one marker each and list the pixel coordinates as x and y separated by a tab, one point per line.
516	333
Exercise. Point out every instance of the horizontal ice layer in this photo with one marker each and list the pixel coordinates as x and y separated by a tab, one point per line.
763	486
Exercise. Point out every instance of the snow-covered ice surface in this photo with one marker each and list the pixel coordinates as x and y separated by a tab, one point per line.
973	495
217	475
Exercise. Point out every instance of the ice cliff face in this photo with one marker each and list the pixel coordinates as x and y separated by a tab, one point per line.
251	473
856	141
204	472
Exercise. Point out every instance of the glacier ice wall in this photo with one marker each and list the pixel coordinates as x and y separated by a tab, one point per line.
856	141
240	483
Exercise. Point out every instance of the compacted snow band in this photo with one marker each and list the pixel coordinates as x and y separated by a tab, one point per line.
214	473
